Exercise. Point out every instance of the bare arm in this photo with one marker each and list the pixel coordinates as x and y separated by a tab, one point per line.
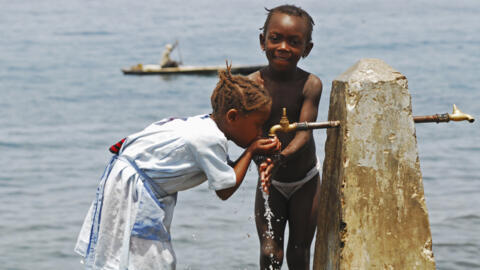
312	92
260	146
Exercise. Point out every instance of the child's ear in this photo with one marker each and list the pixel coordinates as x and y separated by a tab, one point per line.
307	50
231	115
262	41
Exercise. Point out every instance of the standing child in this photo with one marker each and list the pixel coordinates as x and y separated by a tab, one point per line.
295	185
128	224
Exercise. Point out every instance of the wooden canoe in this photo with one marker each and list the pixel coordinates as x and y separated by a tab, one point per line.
141	69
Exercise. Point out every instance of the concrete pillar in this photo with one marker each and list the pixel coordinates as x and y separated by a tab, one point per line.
372	210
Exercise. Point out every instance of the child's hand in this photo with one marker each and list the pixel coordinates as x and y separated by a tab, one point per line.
265	146
265	170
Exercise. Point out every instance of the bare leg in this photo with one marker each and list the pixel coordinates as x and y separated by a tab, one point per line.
303	212
271	248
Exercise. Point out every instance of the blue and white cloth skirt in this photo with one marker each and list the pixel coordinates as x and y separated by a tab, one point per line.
127	225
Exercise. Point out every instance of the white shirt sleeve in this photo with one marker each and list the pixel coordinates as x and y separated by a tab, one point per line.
211	156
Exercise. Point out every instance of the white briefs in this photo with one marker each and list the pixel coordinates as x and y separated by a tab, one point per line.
287	189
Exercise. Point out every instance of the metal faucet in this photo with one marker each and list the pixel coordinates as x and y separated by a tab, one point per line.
286	126
458	115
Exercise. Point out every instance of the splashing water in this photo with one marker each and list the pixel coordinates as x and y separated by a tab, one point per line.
268	215
269	233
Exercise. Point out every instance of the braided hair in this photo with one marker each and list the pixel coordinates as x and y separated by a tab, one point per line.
237	92
293	11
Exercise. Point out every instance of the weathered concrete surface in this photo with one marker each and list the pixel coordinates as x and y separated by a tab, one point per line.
372	209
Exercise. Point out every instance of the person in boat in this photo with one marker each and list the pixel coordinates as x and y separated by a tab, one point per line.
295	182
166	61
128	224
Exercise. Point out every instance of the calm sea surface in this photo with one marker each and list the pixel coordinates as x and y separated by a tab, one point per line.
64	101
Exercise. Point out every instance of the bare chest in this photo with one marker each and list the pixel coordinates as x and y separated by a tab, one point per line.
287	95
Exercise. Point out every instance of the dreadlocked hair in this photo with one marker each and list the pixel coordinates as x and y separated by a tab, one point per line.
237	92
293	11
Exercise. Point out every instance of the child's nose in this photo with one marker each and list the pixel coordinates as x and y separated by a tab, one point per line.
284	45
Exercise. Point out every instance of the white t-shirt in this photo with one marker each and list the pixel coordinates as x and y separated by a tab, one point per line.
181	153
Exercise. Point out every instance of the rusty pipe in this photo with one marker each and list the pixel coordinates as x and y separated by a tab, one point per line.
456	115
286	126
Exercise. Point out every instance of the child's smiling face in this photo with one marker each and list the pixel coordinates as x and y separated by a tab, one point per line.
285	41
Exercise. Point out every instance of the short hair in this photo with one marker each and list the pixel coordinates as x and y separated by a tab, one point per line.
238	92
290	10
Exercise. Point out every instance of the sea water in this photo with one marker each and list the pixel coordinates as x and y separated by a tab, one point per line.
64	101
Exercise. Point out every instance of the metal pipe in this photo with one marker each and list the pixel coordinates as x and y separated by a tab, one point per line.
456	115
286	126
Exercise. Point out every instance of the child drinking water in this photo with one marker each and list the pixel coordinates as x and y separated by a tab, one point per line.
128	224
295	183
